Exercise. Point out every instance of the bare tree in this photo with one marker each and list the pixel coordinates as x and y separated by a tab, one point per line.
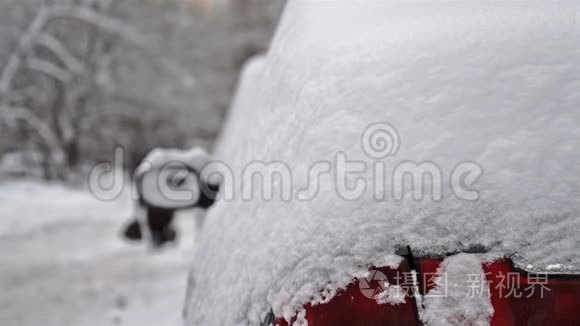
80	78
75	77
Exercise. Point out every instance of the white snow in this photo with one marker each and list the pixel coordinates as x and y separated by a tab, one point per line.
27	206
63	262
554	267
194	157
242	111
163	163
485	81
392	294
461	296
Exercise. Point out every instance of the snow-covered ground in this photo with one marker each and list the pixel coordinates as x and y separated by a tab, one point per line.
63	263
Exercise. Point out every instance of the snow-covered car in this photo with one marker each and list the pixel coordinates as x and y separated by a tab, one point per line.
417	164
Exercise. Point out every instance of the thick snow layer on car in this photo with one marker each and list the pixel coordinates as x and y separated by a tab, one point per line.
242	111
487	82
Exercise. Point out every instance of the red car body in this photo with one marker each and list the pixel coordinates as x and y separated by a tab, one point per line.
551	299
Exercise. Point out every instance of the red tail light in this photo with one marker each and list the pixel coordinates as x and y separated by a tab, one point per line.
355	306
518	298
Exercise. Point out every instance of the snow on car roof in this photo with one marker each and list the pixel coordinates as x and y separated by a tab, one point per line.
484	93
242	110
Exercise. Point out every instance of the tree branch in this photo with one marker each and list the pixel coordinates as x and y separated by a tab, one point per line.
15	59
41	128
90	16
53	12
59	49
49	68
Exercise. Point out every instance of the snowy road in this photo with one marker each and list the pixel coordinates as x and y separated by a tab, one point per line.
62	263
